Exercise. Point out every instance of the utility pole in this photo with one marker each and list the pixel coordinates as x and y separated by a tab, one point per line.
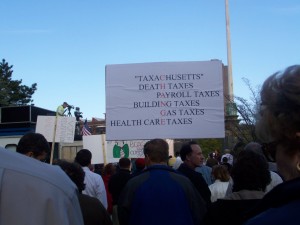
231	109
229	63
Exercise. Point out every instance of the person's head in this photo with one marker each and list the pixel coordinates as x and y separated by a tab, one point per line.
211	162
140	163
156	151
83	157
191	154
255	147
34	145
279	122
224	159
211	155
74	171
250	172
221	173
109	169
125	163
171	162
65	105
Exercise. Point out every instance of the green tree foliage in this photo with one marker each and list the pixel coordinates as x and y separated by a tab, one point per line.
210	145
12	92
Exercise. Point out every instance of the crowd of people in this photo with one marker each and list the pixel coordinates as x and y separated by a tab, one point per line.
259	185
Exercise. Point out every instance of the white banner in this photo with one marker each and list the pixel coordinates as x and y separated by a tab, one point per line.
128	149
164	100
112	151
94	143
65	128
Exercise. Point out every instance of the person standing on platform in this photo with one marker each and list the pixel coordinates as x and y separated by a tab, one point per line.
61	109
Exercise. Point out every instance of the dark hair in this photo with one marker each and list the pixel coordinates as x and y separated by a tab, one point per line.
33	142
109	169
250	172
74	171
211	162
255	147
186	149
157	150
83	157
224	159
124	163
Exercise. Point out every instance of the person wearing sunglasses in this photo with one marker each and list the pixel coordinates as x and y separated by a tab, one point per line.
279	127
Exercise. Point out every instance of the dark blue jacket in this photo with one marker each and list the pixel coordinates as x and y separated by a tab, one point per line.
279	206
160	196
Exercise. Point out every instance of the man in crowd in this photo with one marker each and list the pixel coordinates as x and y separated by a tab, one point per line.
228	155
36	193
159	195
116	184
93	181
34	145
191	155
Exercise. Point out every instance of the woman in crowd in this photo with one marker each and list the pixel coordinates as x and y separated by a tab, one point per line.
93	211
279	127
250	175
221	176
108	170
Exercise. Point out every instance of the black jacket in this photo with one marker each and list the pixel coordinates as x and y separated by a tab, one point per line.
198	181
93	212
228	212
116	184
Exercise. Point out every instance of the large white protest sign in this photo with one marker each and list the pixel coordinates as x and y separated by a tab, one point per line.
65	128
165	100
